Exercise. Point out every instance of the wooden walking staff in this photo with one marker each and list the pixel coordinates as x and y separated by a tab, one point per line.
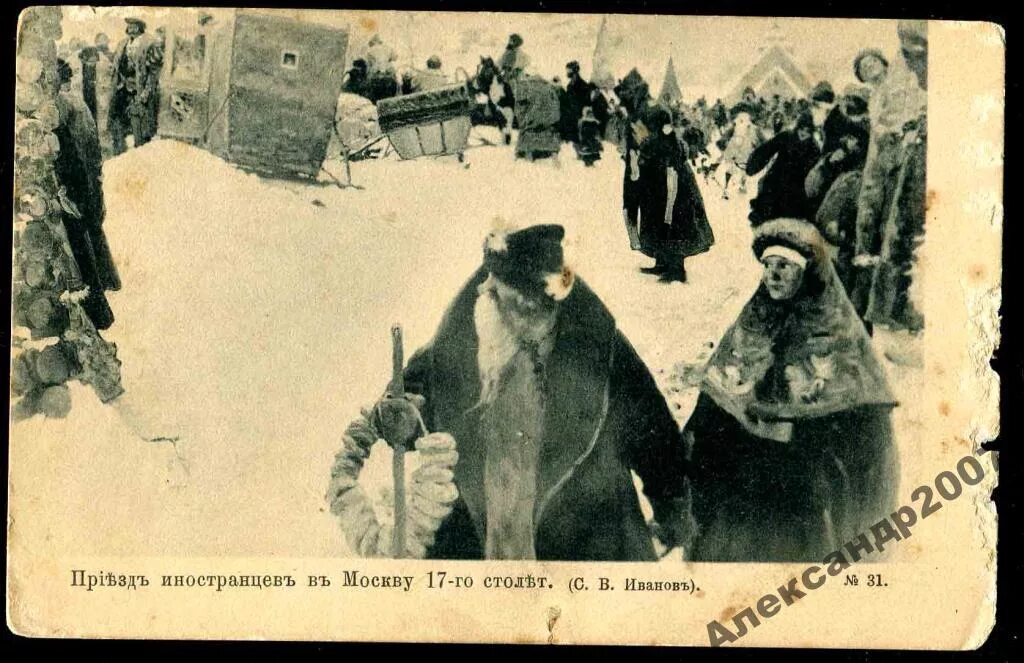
397	390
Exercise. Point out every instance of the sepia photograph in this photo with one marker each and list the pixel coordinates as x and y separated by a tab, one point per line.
575	318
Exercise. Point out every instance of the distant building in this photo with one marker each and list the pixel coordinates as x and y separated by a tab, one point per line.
775	71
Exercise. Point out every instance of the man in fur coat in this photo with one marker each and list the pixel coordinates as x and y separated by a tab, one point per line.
550	408
135	93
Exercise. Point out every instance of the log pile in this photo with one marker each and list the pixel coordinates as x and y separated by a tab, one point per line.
53	339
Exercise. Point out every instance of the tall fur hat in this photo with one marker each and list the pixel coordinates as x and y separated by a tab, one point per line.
823	92
866	53
530	260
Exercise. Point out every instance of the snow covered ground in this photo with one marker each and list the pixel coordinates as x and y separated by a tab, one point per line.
254	322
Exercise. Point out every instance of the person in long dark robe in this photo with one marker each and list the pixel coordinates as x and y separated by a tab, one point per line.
780	193
135	94
89	57
664	207
79	169
577	97
792	452
551	410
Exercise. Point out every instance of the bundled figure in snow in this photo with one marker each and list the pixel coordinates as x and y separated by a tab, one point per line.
538	113
578	95
79	170
357	79
136	71
380	60
417	80
833	187
751	105
663	208
740	142
588	145
780	193
512	64
792	450
890	218
550	408
846	132
822	104
490	99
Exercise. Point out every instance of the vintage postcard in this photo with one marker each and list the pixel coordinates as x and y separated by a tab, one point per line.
583	329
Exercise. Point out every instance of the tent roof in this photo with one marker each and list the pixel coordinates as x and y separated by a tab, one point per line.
774	58
670	90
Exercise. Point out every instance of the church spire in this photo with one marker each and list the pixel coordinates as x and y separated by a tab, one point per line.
670	91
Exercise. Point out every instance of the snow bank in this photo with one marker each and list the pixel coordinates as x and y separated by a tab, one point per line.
254	322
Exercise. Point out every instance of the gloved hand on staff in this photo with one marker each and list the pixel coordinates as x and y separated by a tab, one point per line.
399	420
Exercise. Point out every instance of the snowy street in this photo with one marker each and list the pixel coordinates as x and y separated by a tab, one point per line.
254	322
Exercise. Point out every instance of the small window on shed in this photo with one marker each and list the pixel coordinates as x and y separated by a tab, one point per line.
290	59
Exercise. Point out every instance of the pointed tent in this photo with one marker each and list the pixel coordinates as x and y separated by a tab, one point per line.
601	71
670	92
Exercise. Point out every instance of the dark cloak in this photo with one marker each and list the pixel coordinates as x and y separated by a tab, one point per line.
79	171
781	193
646	199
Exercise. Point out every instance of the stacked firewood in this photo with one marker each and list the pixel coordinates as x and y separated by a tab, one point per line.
54	340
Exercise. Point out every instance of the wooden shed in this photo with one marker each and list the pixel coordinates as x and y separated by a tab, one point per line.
258	90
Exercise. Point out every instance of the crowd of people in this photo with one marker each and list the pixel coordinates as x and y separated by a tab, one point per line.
851	163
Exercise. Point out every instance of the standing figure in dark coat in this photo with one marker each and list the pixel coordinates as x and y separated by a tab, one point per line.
664	209
89	57
792	451
836	218
848	116
489	91
133	104
822	102
577	97
357	79
78	168
601	108
848	153
780	193
550	408
833	188
588	146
